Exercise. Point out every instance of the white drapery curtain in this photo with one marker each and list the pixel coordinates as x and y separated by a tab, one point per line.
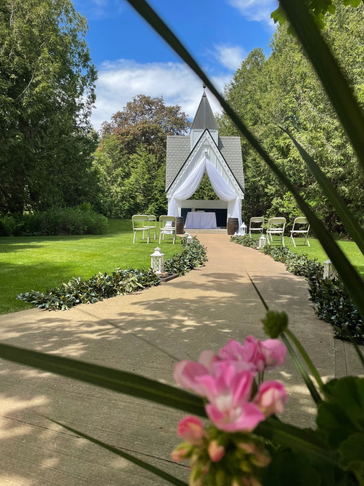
221	188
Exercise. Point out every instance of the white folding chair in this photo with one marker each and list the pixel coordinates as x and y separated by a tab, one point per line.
167	226
140	223
301	226
152	220
256	221
276	228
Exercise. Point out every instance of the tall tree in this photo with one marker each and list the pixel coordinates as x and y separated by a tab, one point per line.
146	121
47	83
283	90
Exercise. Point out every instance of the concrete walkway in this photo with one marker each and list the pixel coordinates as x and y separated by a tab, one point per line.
141	333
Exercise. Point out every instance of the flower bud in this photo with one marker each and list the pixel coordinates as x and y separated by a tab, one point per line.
181	452
271	398
191	429
216	452
275	323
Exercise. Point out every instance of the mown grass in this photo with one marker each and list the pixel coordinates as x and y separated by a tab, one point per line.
38	263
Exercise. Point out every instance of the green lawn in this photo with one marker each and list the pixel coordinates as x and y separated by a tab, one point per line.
38	263
315	251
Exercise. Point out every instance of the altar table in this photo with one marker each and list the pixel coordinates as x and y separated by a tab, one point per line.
200	220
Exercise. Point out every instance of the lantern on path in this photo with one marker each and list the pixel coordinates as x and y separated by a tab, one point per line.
262	241
157	261
243	229
329	270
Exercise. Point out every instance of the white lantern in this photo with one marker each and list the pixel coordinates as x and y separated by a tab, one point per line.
262	241
329	270
189	239
243	229
157	261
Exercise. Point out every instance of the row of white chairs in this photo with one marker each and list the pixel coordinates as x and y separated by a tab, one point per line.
276	227
146	223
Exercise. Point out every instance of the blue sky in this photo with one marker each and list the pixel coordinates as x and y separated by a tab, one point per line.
131	59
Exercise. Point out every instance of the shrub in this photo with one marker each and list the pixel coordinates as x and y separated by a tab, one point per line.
193	255
244	241
297	264
10	225
103	285
334	305
99	287
56	221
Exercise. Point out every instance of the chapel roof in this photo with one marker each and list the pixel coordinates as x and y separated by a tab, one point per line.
204	117
179	149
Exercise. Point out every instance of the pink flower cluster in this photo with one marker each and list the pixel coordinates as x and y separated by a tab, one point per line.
226	380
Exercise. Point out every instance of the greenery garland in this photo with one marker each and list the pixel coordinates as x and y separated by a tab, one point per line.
103	285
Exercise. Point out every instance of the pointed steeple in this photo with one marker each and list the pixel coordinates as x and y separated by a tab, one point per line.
204	116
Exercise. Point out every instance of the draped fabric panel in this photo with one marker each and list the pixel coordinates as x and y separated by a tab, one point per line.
219	185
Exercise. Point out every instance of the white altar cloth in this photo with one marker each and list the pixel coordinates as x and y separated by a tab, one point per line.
200	220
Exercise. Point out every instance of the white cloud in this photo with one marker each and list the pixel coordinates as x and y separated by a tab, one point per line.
229	56
258	10
121	80
99	9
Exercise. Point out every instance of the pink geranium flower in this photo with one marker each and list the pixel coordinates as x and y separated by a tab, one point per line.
274	353
228	392
271	398
191	429
186	372
258	354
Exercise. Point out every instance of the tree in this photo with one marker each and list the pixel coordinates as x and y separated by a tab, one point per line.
283	90
146	121
130	162
47	84
127	185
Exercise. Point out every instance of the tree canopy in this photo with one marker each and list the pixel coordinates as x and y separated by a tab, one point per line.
130	162
283	90
146	121
47	83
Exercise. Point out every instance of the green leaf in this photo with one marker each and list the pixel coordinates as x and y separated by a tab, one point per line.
328	70
347	272
129	457
352	455
109	378
351	224
305	441
278	16
259	294
306	378
288	469
342	414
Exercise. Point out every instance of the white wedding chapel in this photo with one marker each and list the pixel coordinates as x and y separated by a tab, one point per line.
204	151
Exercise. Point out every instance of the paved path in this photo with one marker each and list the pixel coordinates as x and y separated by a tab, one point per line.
201	310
